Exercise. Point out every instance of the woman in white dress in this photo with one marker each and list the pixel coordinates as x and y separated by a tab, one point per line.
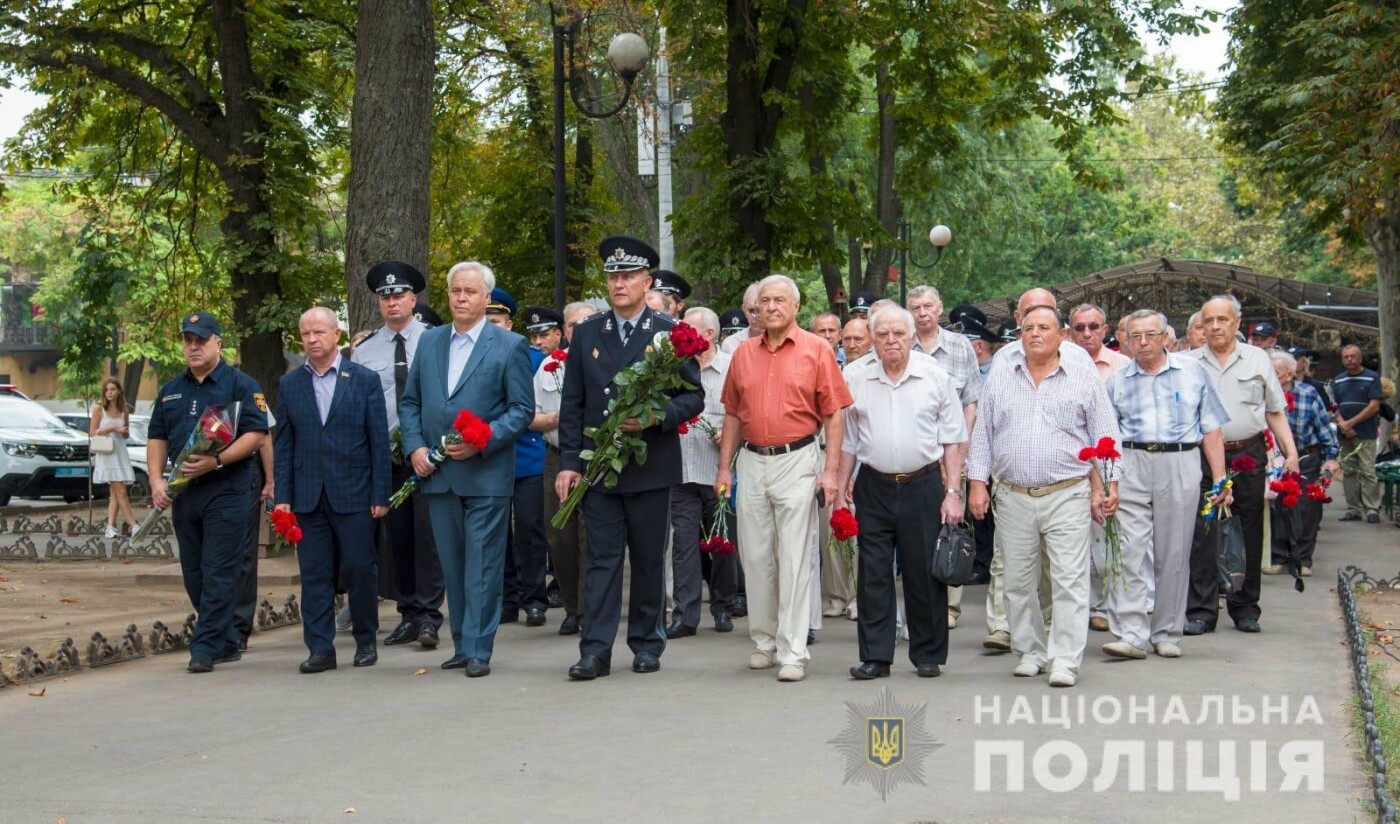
110	418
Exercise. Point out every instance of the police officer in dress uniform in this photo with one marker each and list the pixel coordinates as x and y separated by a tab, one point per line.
861	302
211	516
678	288
632	514
404	537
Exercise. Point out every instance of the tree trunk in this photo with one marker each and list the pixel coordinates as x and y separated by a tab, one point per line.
1383	236
131	379
886	206
578	226
830	268
391	131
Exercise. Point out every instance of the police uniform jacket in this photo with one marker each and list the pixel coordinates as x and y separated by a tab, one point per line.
596	355
183	400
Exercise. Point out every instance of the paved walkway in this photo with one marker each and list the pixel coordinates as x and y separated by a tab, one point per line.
704	740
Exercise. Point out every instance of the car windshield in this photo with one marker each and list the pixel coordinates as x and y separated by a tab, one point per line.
138	430
21	414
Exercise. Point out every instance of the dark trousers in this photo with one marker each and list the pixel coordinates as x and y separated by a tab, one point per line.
246	595
329	537
983	532
527	548
408	533
1309	514
211	526
692	510
632	524
567	545
900	521
1202	601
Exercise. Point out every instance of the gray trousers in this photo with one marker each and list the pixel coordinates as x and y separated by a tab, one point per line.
1158	495
1363	490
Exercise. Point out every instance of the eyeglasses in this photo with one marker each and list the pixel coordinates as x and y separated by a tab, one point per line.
1145	336
1092	327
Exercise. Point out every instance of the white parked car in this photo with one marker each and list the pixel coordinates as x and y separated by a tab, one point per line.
135	447
39	455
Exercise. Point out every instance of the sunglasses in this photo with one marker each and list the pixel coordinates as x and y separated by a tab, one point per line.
1092	327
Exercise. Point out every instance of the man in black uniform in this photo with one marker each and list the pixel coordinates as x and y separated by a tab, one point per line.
632	514
211	516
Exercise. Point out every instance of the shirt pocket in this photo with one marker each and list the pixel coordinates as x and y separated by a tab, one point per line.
1066	416
1251	390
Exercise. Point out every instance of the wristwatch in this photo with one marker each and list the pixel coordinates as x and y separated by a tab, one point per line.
218	463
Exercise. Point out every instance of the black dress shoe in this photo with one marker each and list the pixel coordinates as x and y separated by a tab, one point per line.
229	655
556	601
200	664
811	637
647	662
979	578
1247	625
741	606
1197	627
534	617
510	616
476	668
366	655
928	671
588	668
723	623
679	630
569	626
318	662
428	636
870	670
455	662
405	632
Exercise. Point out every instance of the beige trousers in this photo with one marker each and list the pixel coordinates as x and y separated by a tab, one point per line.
777	515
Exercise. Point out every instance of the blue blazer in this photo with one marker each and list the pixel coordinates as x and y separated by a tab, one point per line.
497	386
347	458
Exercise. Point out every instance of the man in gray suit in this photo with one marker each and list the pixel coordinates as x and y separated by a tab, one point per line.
473	365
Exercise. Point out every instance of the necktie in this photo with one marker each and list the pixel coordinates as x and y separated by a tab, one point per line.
400	366
626	331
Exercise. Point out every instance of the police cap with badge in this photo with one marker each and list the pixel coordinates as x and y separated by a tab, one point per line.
664	280
624	253
972	323
542	319
202	324
423	312
501	303
392	277
733	321
861	302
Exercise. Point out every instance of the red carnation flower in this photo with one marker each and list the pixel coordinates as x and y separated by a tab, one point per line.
551	366
1088	453
843	524
1290	501
1243	463
683	429
1288	397
559	354
1106	449
472	429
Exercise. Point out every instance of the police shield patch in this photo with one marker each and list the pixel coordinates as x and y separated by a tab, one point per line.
260	400
886	742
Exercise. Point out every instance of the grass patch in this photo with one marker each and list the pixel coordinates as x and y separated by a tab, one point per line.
1381	654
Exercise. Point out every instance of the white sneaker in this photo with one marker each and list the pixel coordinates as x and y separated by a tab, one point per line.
343	621
1167	649
999	640
952	622
792	672
1026	669
761	659
1276	569
1122	649
1061	679
111	532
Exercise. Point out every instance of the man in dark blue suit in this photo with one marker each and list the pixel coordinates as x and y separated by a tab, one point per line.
634	513
473	365
331	464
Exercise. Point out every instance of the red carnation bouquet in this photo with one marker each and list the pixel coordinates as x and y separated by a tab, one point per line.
466	428
699	423
553	364
844	529
210	436
1288	489
285	528
643	391
1105	453
716	539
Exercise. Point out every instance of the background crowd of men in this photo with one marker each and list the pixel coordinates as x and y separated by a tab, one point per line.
912	424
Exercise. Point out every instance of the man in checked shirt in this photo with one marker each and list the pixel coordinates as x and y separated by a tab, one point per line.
1035	415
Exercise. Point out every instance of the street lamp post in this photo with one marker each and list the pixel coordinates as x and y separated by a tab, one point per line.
939	237
627	56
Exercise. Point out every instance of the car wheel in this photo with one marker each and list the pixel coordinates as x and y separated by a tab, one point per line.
141	486
72	499
4	500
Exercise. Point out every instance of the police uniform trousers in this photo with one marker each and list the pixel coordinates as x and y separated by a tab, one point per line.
1309	514
246	597
408	533
899	521
1203	601
778	515
633	524
693	508
1040	534
566	546
1158	496
347	538
470	532
211	526
527	549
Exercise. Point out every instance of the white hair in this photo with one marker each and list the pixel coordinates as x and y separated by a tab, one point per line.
1284	358
921	290
1230	299
784	280
1195	319
488	277
319	312
1144	314
578	306
897	312
703	318
751	293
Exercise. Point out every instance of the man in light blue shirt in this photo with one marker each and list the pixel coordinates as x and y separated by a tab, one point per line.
1167	408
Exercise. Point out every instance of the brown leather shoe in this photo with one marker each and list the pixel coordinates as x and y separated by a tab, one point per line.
1098	623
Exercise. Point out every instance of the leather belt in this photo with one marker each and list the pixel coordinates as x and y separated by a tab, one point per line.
1159	447
770	451
1236	446
1042	491
900	477
1315	449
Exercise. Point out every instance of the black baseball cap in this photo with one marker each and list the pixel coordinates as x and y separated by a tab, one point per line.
202	324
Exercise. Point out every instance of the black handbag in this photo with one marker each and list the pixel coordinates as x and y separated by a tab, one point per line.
953	556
